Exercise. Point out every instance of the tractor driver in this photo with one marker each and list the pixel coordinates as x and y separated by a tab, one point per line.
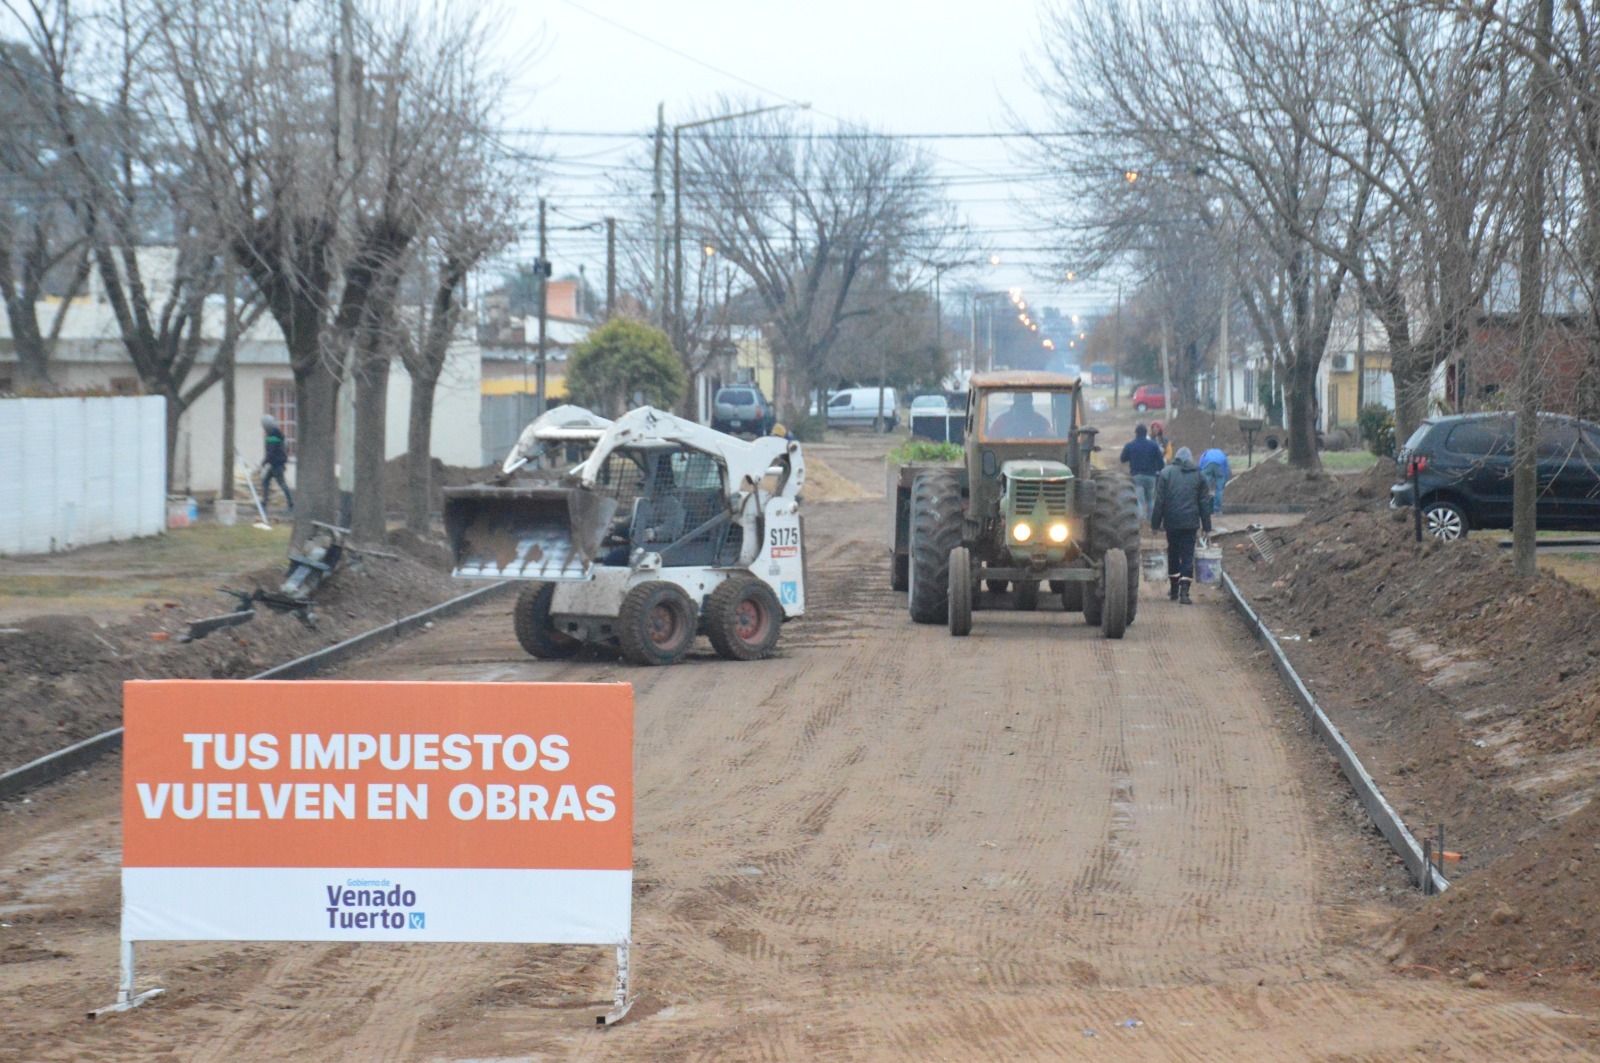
1021	421
659	516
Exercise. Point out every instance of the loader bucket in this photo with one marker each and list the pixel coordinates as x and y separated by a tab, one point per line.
535	533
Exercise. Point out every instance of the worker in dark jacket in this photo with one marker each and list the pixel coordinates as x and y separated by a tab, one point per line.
1144	461
1183	508
272	466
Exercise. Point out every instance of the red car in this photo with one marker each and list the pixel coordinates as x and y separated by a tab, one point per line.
1148	397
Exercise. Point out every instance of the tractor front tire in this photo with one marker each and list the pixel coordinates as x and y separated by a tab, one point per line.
530	618
961	591
936	526
1114	606
743	618
656	624
1114	524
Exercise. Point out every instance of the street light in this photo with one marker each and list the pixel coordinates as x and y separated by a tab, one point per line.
677	203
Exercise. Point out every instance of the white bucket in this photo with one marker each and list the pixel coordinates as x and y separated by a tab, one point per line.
1208	564
1155	566
226	511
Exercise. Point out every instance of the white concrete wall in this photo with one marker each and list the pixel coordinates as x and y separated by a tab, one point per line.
81	471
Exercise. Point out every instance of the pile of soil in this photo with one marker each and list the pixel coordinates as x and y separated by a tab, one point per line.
823	484
1474	700
61	676
1200	430
1276	483
396	485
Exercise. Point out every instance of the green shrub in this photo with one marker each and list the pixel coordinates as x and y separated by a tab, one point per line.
1377	428
623	361
810	429
913	450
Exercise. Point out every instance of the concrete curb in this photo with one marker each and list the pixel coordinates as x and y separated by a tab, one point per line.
52	766
1383	814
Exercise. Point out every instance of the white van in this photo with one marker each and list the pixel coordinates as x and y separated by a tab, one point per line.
859	407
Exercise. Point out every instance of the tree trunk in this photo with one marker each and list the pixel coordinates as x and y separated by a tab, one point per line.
369	511
174	415
316	486
419	456
1302	414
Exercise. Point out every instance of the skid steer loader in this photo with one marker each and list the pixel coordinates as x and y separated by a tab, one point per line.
667	529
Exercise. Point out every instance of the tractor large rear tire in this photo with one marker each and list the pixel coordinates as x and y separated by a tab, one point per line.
961	582
742	618
1114	606
530	618
1114	524
936	526
657	624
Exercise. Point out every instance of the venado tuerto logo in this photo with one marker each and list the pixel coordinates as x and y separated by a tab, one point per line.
373	904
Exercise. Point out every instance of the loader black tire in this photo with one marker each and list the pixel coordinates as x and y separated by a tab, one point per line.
657	624
1025	595
1114	524
1114	607
936	526
742	618
961	585
899	572
530	618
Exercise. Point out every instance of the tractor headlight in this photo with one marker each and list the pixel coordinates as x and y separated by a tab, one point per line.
1058	532
1021	533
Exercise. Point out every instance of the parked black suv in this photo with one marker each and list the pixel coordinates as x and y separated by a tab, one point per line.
1464	471
742	410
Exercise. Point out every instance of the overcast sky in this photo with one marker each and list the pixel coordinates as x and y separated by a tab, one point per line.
939	66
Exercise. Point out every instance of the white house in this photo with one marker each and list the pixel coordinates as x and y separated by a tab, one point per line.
90	356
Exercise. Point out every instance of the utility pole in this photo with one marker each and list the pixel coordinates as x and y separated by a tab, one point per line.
611	267
1122	356
1361	361
1170	399
658	294
678	331
544	308
1223	361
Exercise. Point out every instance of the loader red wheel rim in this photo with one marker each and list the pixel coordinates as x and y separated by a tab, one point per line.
662	625
750	621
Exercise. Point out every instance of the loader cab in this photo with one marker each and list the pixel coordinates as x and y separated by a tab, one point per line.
1015	416
671	500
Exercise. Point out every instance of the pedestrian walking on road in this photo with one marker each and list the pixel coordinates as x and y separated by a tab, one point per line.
1158	436
1183	508
1214	467
272	465
1145	462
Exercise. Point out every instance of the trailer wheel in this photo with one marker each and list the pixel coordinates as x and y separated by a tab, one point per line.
742	619
530	618
656	624
1072	596
1114	619
961	591
1025	595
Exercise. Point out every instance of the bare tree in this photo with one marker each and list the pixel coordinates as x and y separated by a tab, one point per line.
802	214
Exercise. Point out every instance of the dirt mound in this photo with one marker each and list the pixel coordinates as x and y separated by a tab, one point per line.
825	485
1475	699
1276	483
1200	430
395	482
61	677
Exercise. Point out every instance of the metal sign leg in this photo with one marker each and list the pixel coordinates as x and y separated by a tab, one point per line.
127	998
620	1000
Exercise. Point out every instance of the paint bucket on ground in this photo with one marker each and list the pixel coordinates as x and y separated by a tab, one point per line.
181	511
1155	566
226	510
1208	564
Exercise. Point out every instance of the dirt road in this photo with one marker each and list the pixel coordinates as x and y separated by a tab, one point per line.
884	843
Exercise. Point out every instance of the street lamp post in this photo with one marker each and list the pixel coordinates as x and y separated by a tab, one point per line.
678	331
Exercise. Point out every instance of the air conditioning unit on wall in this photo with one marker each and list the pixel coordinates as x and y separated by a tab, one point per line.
1342	363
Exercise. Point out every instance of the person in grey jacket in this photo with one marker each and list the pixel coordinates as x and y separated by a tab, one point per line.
1183	508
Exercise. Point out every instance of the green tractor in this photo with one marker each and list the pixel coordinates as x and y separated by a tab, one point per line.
1024	511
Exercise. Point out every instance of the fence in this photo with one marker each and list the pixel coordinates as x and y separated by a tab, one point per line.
81	471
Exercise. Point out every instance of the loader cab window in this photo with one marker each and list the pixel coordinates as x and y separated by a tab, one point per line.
1016	416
